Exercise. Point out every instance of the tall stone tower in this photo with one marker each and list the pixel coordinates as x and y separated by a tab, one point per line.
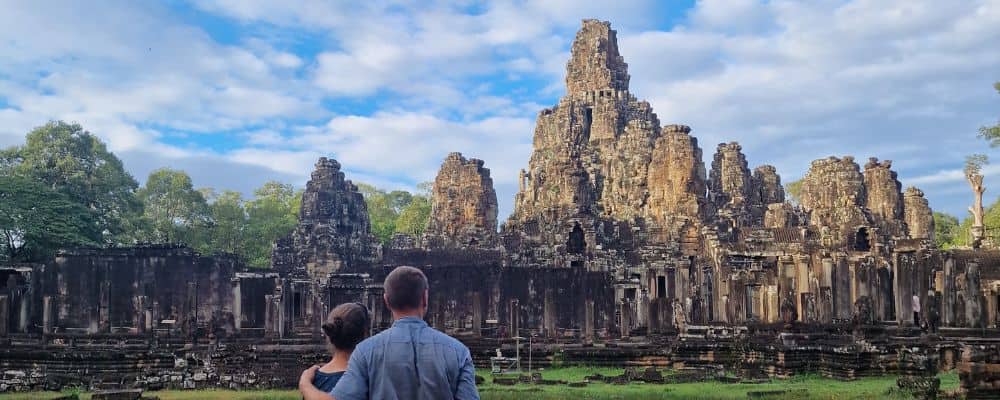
601	158
463	206
334	234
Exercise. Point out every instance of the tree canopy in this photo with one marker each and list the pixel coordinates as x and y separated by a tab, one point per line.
992	133
63	188
396	211
946	230
69	160
794	191
36	220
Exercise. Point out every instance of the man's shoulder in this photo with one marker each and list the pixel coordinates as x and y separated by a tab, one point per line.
371	342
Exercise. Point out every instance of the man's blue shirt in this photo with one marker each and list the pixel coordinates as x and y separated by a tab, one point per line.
410	360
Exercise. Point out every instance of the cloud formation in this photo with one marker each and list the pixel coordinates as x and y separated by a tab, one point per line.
237	92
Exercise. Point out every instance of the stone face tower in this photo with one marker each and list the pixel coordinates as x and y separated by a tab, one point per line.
333	234
600	154
463	205
918	215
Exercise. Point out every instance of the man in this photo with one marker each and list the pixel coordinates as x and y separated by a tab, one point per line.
916	309
410	360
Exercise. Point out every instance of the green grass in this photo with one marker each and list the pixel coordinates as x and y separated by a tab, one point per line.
816	388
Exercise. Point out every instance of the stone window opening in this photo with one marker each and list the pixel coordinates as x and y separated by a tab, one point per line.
577	243
588	118
861	240
661	287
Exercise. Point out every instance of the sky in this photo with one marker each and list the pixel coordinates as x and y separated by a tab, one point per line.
238	92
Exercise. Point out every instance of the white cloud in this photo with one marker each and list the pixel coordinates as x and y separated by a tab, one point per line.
389	88
905	80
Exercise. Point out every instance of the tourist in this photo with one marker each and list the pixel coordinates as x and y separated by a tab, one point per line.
410	360
346	326
916	309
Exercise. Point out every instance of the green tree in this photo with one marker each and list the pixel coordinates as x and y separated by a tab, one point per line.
36	220
382	210
229	227
67	159
271	215
794	191
946	229
413	219
174	211
992	133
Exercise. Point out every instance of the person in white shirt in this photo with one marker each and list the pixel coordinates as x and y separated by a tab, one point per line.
916	309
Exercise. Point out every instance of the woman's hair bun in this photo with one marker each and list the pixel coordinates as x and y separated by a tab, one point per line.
347	325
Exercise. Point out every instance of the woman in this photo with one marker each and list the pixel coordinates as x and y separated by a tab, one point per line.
345	327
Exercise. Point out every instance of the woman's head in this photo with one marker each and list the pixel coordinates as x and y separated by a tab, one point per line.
347	325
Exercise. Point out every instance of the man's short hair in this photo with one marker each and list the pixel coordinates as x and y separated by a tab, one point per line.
404	288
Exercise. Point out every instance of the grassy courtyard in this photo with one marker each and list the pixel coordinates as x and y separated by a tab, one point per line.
800	387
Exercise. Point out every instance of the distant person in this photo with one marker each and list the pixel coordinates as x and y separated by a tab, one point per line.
410	360
346	326
916	309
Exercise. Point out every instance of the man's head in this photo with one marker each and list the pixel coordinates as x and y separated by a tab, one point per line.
406	291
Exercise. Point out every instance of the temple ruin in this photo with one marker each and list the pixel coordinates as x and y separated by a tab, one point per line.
624	248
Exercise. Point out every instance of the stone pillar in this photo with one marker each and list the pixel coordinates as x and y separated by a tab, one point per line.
46	315
843	289
903	288
588	320
25	315
271	316
948	294
801	284
549	314
626	319
974	296
771	305
237	305
189	321
991	307
104	308
515	317
140	314
477	314
4	315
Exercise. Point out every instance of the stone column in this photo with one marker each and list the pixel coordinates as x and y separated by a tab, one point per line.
46	315
4	315
549	313
104	308
903	288
626	319
948	294
515	317
140	314
477	314
588	320
25	314
237	304
270	315
801	284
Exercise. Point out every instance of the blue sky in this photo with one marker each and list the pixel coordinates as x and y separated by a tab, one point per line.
237	92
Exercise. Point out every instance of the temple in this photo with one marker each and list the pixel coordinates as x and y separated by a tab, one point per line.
624	248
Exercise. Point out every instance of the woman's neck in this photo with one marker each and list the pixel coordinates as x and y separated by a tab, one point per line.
338	362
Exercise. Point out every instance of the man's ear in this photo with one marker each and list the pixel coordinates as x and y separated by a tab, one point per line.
385	298
426	295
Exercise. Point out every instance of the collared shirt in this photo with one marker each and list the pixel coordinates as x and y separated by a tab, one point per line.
916	303
410	360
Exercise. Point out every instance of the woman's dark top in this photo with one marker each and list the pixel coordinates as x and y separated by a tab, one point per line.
325	381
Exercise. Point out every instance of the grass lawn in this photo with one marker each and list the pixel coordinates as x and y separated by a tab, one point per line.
815	388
